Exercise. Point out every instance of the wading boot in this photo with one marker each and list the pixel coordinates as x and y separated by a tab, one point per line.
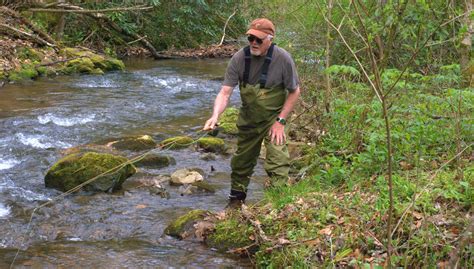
236	200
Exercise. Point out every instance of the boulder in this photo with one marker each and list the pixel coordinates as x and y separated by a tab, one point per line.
185	176
177	142
101	62
156	161
183	226
75	169
211	144
135	143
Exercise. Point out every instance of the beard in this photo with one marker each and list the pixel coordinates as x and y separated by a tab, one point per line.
255	52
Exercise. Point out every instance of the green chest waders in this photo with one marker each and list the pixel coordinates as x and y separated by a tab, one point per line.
260	108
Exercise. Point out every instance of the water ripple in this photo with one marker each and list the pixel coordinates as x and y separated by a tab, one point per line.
65	121
40	141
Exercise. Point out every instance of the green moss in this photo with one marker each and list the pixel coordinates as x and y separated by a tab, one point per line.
104	63
211	144
177	142
230	234
80	65
2	75
143	142
228	120
29	54
155	161
75	169
185	223
26	72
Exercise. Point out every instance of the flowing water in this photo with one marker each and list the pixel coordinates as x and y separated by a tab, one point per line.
121	230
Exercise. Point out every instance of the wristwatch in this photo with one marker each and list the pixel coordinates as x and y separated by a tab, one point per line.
281	120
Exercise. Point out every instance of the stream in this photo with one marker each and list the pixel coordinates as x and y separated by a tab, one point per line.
42	118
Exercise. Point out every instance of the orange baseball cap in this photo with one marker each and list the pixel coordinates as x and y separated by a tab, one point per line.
261	28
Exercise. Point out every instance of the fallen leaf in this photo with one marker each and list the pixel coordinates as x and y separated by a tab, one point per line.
283	241
326	231
140	206
203	228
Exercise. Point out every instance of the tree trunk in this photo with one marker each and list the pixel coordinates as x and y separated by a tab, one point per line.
328	58
467	66
61	23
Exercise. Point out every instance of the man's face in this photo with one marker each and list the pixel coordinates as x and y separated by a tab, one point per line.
258	47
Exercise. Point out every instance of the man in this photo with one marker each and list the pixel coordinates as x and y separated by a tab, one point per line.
269	89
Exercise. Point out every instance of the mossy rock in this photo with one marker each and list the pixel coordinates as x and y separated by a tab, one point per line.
137	143
80	65
205	186
25	73
230	233
177	142
104	63
182	226
228	120
211	144
75	169
153	160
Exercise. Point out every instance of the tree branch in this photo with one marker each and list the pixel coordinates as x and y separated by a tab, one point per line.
56	10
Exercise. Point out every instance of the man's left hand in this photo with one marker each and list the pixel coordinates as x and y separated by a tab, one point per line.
277	134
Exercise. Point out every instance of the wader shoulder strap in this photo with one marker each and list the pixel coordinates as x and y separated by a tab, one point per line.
247	65
266	64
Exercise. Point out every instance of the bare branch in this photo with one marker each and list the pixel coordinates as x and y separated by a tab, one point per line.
23	34
56	10
225	26
415	53
355	57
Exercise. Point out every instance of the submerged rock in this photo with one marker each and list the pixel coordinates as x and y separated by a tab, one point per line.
75	169
183	226
211	144
136	143
185	176
154	160
177	142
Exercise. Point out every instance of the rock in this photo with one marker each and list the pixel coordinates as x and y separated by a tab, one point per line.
185	176
211	144
156	161
177	142
75	169
204	186
101	62
137	143
196	187
228	120
183	226
80	65
208	156
90	148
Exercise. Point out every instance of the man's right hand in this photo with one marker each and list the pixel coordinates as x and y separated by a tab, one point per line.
210	124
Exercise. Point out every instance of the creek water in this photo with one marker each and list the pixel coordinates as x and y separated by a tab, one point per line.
40	119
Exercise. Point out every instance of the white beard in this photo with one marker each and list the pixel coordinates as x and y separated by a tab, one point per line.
255	52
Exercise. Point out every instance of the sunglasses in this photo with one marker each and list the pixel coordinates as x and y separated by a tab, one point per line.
252	38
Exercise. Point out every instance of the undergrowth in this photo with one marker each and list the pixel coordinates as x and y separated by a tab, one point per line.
336	215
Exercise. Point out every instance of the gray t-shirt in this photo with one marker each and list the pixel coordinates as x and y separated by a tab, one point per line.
281	72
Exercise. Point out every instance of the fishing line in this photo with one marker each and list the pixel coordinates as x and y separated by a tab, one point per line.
110	171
